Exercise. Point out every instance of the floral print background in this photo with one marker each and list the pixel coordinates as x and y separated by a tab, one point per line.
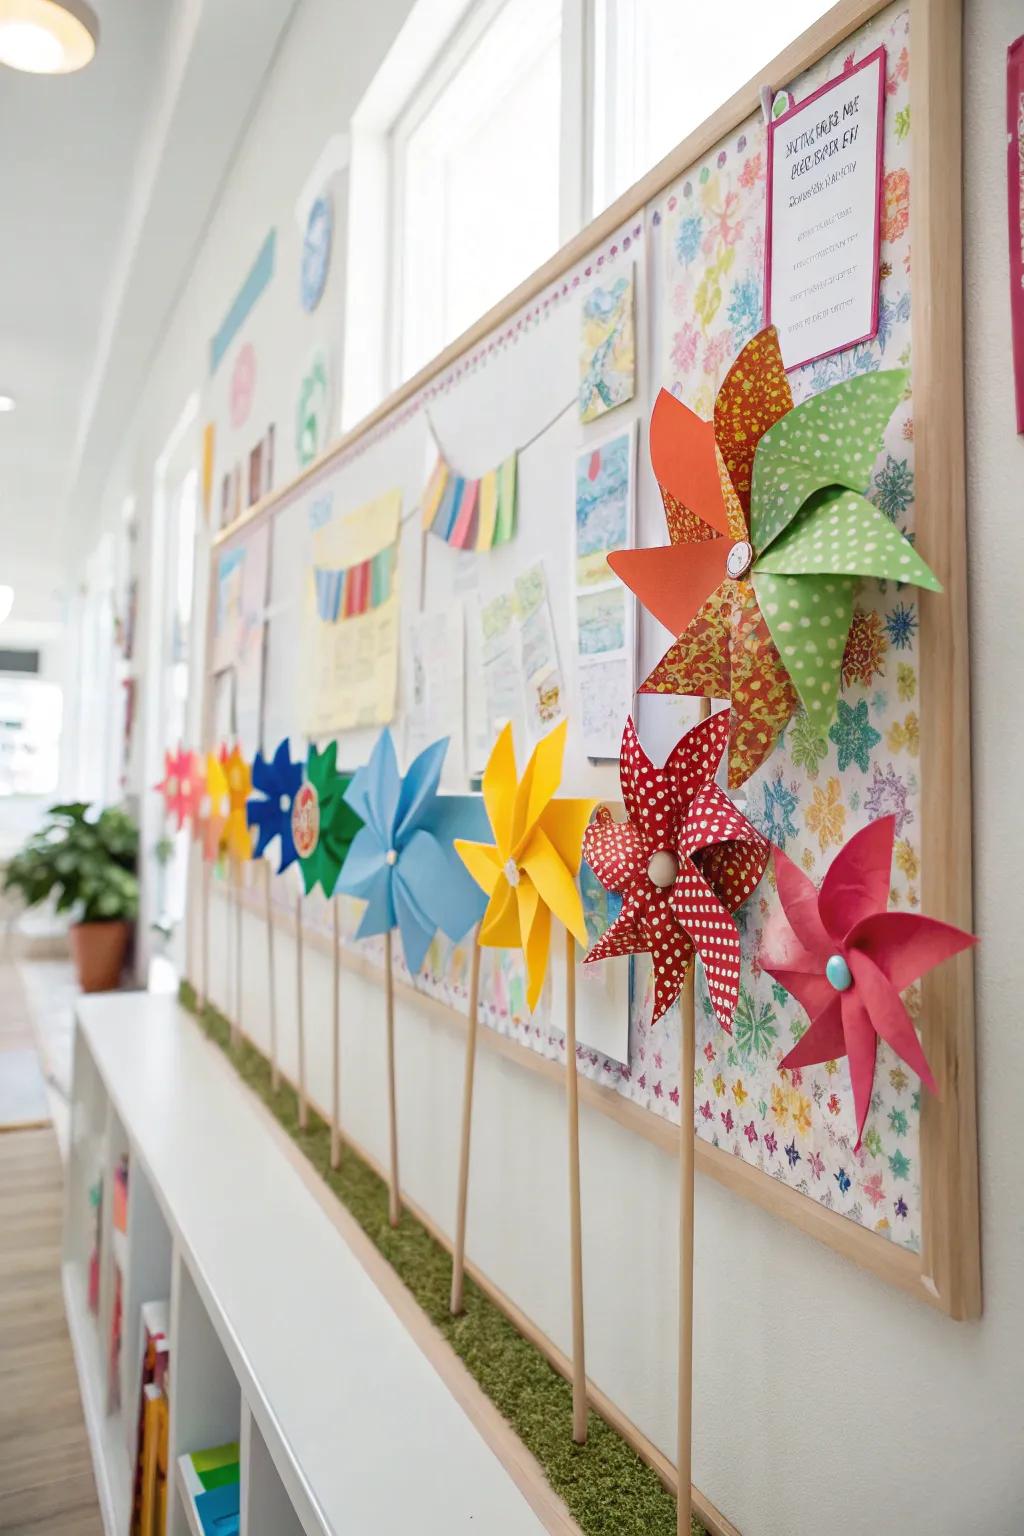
706	251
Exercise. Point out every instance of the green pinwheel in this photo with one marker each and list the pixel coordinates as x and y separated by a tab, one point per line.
770	531
323	823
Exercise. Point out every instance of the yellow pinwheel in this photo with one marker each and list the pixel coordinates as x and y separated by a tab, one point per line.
237	833
529	872
213	811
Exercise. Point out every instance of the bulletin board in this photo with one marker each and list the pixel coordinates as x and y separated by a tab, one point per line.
687	249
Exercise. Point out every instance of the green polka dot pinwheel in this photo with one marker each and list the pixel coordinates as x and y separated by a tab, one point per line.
323	823
771	531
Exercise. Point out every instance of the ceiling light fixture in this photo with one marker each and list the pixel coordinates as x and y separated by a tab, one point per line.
44	37
6	602
7	403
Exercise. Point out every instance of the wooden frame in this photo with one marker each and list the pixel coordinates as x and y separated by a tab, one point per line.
946	1273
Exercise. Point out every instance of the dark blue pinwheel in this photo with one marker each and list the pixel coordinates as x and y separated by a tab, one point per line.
278	780
402	862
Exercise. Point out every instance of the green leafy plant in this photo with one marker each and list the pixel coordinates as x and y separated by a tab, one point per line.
90	861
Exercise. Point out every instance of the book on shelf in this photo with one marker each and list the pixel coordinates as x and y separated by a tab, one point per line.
211	1480
154	1360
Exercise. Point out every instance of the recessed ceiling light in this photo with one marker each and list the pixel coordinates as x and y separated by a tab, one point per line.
7	402
6	602
44	37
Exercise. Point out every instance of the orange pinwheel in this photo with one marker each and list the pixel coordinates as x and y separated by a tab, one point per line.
237	832
208	826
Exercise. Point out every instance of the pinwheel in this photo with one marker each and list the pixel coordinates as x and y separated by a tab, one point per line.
770	530
213	812
323	822
529	875
323	826
845	958
277	781
683	862
182	786
403	865
237	836
529	871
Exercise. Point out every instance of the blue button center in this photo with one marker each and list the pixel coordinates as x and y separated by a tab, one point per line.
838	973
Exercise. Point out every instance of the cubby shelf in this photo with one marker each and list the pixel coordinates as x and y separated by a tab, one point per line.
279	1338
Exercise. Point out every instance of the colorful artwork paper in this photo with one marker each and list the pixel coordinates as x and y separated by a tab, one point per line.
607	349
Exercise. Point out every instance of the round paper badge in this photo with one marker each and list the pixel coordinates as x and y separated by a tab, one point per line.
306	821
316	252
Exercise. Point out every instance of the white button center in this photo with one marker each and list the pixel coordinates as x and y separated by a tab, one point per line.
739	559
663	869
512	872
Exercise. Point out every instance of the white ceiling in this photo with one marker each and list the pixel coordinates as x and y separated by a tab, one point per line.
107	178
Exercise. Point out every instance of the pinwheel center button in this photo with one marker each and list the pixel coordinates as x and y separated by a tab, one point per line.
391	857
663	869
512	872
286	804
739	559
838	973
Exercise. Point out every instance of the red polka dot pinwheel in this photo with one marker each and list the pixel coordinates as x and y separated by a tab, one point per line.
845	958
683	862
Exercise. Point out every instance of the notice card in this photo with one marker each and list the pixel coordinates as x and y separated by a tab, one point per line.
824	182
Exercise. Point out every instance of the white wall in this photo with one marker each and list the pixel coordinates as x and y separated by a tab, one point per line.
825	1402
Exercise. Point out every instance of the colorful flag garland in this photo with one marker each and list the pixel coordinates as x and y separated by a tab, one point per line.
471	514
348	593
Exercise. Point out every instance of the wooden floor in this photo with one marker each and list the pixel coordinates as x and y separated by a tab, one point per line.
46	1481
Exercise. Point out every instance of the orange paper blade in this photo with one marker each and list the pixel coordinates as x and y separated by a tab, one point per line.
675	581
685	462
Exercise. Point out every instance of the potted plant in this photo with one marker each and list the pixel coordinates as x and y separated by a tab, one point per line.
91	862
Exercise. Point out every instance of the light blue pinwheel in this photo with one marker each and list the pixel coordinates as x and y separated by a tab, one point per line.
401	861
278	780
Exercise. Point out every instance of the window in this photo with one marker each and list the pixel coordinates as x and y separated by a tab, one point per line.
662	66
476	174
30	716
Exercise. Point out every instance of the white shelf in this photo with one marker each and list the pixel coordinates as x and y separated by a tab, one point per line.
110	1459
279	1336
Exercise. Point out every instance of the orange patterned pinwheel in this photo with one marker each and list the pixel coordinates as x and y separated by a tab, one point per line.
770	532
237	832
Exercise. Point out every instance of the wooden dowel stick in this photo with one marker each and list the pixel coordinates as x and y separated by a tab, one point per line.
236	1027
336	1051
579	1368
275	1075
394	1202
205	936
303	1107
459	1254
684	1428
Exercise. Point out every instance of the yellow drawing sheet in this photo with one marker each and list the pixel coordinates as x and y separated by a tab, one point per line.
351	670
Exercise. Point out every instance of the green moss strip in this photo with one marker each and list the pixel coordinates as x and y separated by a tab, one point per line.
607	1488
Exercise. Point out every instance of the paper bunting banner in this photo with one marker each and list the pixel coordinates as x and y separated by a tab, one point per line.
846	958
683	862
401	862
471	514
182	786
209	825
770	530
237	837
323	824
529	872
277	781
359	589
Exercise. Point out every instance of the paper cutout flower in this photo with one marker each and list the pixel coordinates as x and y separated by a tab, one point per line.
323	825
402	862
683	862
529	872
213	814
182	786
237	837
770	530
277	781
846	958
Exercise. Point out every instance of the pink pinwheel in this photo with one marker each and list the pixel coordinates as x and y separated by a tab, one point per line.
846	959
684	861
181	786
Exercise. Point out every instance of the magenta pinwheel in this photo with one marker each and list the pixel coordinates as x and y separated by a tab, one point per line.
845	958
683	862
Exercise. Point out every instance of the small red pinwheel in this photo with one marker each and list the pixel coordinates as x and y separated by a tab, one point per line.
182	786
684	861
846	958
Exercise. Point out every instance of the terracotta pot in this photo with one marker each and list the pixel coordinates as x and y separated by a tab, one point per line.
99	951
